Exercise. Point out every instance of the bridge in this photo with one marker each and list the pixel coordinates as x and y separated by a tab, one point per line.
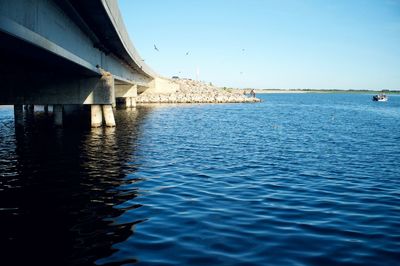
69	54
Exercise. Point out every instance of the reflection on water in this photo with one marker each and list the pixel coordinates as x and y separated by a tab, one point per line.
307	179
61	188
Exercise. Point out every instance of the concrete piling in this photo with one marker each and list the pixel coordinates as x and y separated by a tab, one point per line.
18	115
108	115
133	102
96	115
58	115
128	102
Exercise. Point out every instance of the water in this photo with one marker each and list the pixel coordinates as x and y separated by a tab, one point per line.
300	179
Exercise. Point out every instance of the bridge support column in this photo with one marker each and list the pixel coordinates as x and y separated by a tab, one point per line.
58	115
18	115
108	115
133	102
128	102
96	115
126	95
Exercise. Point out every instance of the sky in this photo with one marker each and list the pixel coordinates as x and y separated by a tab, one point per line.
286	44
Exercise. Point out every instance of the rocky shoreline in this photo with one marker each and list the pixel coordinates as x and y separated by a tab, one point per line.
191	91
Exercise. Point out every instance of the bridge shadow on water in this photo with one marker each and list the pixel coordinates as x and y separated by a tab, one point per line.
61	189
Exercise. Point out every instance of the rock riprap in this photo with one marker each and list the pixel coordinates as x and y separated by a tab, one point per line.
191	91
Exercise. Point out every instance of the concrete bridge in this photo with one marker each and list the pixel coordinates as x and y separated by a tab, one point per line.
69	53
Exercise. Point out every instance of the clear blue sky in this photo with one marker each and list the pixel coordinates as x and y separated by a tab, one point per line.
318	44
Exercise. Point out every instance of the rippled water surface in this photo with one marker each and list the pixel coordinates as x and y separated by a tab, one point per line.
299	179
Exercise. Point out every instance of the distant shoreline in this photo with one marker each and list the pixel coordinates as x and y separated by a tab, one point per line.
267	91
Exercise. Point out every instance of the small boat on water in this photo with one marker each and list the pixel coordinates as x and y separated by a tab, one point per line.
380	98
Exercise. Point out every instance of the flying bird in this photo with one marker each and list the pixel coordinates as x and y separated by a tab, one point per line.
155	48
187	53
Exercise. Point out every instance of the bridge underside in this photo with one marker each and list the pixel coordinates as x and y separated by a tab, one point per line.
58	60
32	76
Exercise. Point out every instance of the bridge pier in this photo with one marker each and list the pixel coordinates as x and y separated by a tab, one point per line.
96	115
98	112
18	115
126	95
131	102
58	115
108	115
126	102
65	93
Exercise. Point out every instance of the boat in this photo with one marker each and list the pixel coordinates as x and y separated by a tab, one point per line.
380	98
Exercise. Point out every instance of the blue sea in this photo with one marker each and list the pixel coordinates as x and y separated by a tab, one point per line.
299	179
